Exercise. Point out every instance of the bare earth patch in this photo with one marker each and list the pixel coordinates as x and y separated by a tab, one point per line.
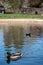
21	22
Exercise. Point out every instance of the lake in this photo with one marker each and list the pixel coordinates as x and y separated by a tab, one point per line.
13	39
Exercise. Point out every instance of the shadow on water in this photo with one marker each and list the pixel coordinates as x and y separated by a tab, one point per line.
8	61
15	40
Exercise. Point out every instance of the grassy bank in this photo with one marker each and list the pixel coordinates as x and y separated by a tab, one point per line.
12	16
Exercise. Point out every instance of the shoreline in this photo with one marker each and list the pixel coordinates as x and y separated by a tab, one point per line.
21	21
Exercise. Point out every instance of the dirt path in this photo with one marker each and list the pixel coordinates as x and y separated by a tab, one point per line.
21	21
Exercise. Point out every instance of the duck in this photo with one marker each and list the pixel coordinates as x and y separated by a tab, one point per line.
13	56
28	34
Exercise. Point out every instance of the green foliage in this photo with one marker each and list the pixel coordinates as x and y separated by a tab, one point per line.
18	3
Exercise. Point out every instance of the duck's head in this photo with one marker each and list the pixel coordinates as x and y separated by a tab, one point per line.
8	53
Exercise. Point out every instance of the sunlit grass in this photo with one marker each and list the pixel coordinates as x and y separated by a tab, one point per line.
7	16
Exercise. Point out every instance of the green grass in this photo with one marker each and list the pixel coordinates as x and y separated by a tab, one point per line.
13	16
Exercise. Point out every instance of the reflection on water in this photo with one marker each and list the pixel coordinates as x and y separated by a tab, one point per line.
36	30
14	36
13	39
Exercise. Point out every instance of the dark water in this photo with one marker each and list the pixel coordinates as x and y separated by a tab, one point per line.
14	39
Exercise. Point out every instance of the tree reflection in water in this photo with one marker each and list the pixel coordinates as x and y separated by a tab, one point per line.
14	35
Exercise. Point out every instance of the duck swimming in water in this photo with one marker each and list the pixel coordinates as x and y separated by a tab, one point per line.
13	56
28	34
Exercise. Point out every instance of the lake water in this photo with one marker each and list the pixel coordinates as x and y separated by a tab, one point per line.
14	39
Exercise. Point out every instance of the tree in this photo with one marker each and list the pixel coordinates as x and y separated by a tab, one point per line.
34	3
19	3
